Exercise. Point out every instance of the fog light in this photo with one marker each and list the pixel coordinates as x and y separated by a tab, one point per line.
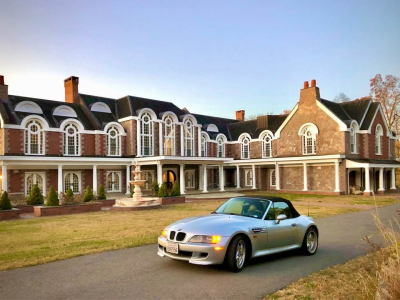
218	248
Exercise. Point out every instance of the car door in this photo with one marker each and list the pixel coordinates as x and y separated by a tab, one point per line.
282	234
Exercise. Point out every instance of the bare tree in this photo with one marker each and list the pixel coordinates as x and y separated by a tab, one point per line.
387	93
254	116
341	97
286	111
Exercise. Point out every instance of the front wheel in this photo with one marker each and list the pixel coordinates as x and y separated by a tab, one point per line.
310	242
236	254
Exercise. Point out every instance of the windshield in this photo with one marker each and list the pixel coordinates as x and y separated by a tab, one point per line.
254	208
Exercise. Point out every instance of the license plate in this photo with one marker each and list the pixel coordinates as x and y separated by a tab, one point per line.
172	248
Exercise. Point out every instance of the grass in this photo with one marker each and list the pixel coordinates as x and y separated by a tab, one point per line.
346	199
41	240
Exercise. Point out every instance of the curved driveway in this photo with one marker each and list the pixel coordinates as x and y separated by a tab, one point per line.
138	273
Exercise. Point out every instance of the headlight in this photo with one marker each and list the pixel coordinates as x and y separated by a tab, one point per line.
164	233
205	239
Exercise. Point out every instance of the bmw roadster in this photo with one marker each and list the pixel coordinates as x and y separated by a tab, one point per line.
240	229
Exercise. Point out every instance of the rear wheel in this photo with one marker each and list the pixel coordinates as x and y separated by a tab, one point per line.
310	242
236	254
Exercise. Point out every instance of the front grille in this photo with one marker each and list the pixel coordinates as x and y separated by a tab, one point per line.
180	236
172	235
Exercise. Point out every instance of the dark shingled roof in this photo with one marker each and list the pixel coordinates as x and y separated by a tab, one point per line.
221	123
356	109
236	129
89	100
47	107
338	110
377	161
370	115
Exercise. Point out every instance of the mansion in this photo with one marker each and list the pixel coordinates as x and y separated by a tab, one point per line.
320	147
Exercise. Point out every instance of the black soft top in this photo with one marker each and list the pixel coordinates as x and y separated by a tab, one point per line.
295	214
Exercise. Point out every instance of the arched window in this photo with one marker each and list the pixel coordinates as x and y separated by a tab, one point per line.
220	147
249	177
71	140
72	180
189	138
378	139
34	138
169	136
203	145
272	178
308	138
245	147
113	141
147	135
353	139
267	146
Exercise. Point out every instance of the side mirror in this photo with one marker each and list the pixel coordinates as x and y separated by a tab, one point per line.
280	218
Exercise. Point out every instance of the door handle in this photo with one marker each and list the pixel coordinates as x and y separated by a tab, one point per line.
294	225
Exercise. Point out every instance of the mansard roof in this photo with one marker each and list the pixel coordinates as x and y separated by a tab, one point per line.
221	123
10	116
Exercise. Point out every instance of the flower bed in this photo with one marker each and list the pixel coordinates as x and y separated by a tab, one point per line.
9	214
171	200
42	211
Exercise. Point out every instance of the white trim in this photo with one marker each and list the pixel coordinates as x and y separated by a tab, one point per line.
149	111
26	120
78	173
28	107
119	173
64	111
246	172
190	116
342	125
128	119
356	165
43	174
212	128
270	177
100	107
273	160
314	128
76	122
278	132
165	114
379	108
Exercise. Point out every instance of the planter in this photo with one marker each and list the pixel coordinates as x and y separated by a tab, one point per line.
107	202
171	200
9	214
26	209
43	211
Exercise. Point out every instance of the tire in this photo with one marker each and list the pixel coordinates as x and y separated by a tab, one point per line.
310	242
235	258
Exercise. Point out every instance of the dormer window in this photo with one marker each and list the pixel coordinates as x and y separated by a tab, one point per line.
245	147
113	142
34	138
71	140
378	139
308	133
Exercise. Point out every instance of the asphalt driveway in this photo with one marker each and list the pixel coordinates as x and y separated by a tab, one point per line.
138	273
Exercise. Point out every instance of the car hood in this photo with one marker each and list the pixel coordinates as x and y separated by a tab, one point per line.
215	224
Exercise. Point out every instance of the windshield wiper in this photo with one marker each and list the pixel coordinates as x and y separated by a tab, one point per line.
214	212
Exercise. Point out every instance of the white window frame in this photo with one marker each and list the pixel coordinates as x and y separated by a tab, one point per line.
204	148
245	177
149	135
76	137
245	147
113	190
170	136
28	134
189	138
147	185
378	139
193	183
220	146
267	146
308	133
77	173
117	139
43	174
272	175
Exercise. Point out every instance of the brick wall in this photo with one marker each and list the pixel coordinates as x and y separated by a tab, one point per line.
130	142
291	178
54	143
178	140
321	178
2	141
15	181
255	149
384	140
52	179
88	144
14	141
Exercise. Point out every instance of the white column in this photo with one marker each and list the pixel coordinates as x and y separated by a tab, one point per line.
138	139
381	188
94	179
254	177
159	173
367	183
60	179
337	174
305	187
205	179
182	140
393	179
221	179
128	178
200	177
160	139
237	177
4	181
182	178
277	178
199	141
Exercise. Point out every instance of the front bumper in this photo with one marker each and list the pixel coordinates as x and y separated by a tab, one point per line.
195	253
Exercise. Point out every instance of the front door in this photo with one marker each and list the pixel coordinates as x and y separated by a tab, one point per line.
189	179
32	179
113	181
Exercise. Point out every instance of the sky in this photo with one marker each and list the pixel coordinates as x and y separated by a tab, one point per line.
211	57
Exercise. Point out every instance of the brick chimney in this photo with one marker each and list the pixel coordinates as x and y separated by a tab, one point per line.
3	89
240	115
71	89
308	95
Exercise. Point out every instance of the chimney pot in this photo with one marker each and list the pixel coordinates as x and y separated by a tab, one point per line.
3	89
1	80
306	84
240	115
313	83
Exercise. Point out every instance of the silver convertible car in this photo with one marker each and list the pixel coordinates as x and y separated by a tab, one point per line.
240	229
